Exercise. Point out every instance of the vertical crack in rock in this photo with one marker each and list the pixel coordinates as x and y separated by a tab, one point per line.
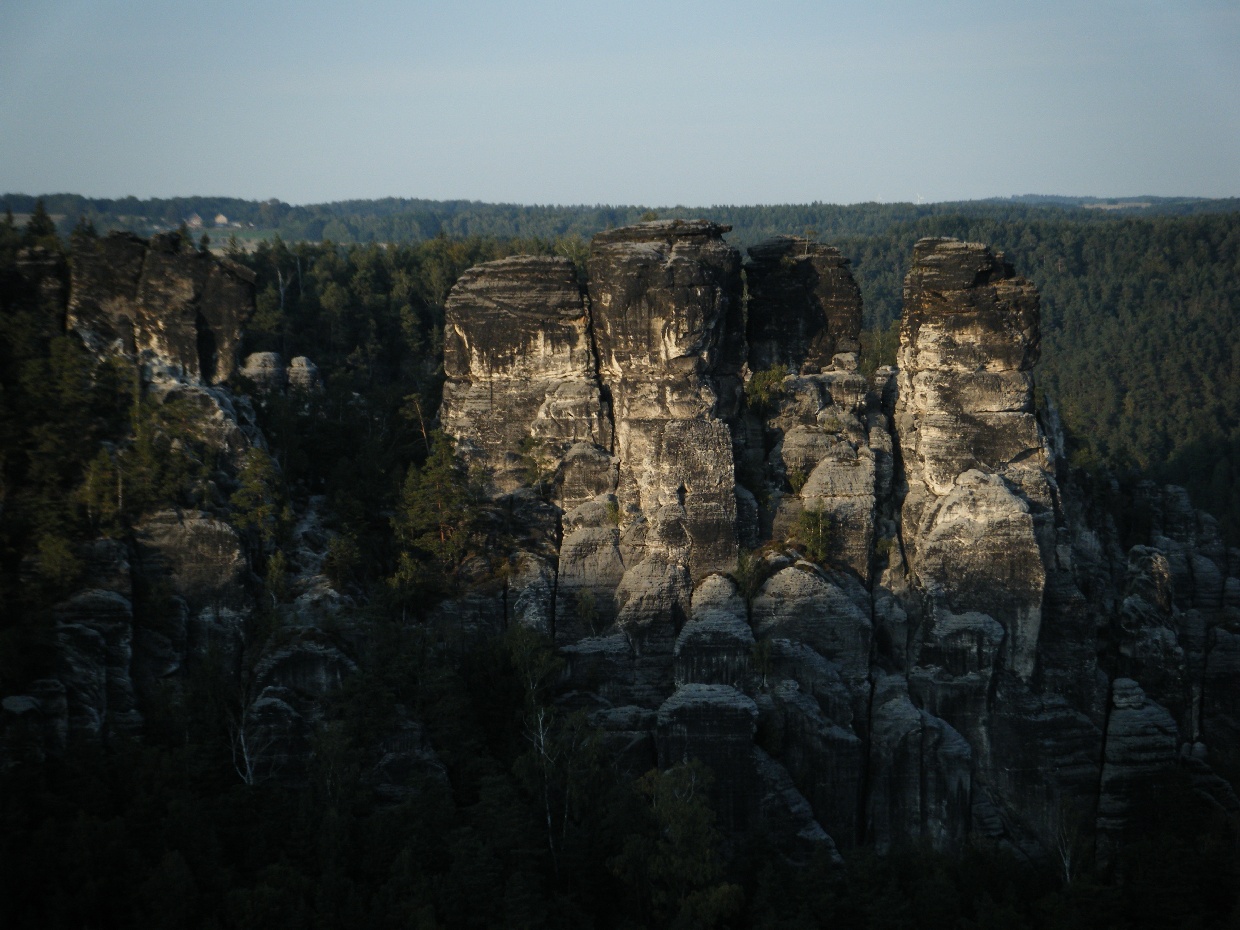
942	674
663	295
180	311
520	367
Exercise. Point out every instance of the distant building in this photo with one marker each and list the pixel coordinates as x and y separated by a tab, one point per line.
221	219
194	221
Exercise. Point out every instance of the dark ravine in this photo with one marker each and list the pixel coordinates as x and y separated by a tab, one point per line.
939	636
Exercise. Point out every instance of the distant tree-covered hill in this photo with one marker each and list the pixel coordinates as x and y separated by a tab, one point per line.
397	219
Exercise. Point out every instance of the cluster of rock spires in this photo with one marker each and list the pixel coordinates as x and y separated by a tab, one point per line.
970	649
975	654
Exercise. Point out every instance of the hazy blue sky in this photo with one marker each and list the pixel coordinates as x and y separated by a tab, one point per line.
638	102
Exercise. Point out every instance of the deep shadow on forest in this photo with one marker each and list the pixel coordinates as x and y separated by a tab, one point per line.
1141	357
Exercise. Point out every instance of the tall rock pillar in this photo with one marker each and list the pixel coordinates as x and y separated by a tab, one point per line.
976	464
667	319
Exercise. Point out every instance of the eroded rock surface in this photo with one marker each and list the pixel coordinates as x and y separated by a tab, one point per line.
804	306
177	309
522	386
916	653
667	322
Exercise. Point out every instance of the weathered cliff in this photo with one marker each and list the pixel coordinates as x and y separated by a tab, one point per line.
938	638
882	609
522	386
804	306
173	307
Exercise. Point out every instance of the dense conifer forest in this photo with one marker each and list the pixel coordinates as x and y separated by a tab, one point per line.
1141	357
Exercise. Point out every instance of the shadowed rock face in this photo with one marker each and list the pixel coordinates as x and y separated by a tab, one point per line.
804	306
177	309
520	366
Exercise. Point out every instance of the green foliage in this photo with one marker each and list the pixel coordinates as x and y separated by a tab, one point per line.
275	578
434	520
167	460
749	576
814	534
537	467
259	504
879	347
59	566
342	561
40	229
796	480
587	611
101	493
764	388
673	869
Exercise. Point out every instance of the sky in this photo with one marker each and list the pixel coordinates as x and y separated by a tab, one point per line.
652	103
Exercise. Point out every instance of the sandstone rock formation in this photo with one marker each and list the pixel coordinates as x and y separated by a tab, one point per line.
804	306
176	309
268	373
667	321
522	386
963	650
938	635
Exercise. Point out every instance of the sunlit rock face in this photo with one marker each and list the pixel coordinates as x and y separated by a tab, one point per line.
178	310
976	464
665	297
950	656
522	385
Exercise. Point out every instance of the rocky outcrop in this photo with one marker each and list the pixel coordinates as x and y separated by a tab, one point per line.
178	310
804	306
921	770
522	386
714	724
938	638
667	322
1141	745
268	373
266	370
